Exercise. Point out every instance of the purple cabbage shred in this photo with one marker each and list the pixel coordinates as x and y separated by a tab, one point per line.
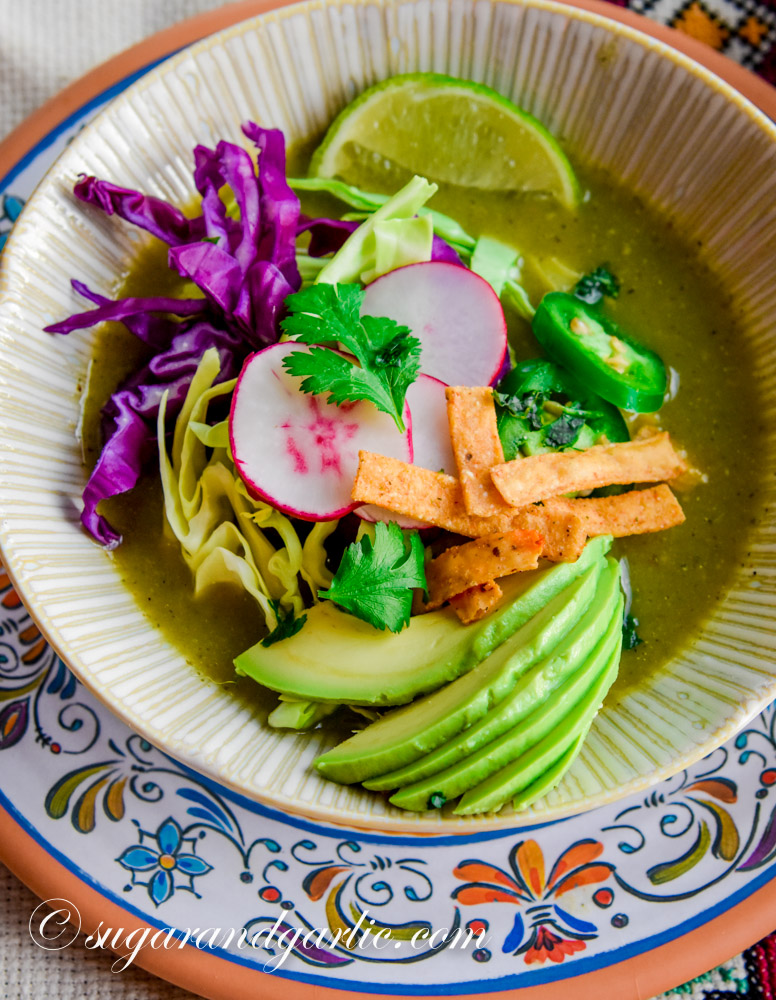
240	252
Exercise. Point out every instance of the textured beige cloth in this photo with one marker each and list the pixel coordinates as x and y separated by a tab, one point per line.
75	973
45	44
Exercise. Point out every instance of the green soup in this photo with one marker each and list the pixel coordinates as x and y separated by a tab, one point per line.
670	300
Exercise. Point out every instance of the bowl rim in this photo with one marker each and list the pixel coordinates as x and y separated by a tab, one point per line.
649	35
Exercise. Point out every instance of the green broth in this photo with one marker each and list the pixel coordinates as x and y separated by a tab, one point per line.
670	300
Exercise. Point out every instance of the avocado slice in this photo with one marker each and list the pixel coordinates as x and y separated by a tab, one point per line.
492	793
412	731
338	658
547	781
538	702
552	714
291	714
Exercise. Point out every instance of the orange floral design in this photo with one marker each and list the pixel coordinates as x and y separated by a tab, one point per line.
754	31
552	933
551	946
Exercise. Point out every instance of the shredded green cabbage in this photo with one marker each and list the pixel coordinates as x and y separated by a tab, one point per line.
357	258
398	242
221	529
367	202
488	258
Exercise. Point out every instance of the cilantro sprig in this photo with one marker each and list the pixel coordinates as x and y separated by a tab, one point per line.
592	287
526	423
386	357
375	579
287	624
630	636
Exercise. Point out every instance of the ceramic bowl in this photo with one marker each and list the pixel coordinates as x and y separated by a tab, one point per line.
663	124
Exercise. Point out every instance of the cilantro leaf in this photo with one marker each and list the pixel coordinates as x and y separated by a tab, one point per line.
630	637
534	401
528	406
564	431
323	313
387	355
288	624
436	800
375	579
328	371
592	287
510	402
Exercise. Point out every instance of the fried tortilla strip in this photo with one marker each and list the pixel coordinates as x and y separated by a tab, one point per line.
481	561
633	513
471	414
433	497
527	480
476	602
562	529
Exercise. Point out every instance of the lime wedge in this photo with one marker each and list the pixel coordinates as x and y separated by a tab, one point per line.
450	131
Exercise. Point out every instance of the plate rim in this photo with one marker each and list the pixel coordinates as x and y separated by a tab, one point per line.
590	11
636	977
191	968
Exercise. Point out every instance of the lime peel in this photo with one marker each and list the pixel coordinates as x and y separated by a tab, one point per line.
449	130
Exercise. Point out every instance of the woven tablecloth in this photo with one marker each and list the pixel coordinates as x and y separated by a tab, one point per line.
44	45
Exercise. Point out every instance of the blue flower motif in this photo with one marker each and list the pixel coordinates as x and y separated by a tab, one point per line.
161	864
10	210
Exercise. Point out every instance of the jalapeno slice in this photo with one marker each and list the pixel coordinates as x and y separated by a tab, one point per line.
525	397
539	375
597	353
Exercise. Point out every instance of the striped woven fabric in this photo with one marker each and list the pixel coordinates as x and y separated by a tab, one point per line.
750	976
744	30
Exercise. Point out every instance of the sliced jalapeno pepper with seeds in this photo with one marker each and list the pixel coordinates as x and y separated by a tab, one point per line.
597	353
537	375
541	407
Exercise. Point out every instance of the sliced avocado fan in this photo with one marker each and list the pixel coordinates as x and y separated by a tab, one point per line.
563	742
548	726
418	729
538	702
337	658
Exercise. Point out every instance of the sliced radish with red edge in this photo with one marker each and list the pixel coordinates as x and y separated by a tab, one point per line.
295	450
454	313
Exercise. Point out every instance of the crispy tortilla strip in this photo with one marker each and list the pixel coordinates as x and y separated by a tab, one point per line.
463	566
471	414
433	497
562	529
527	480
633	513
476	602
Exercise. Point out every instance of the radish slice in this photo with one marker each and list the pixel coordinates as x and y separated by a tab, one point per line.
295	450
430	442
431	445
454	313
